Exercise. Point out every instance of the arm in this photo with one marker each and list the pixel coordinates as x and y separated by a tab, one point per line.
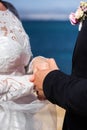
66	91
13	87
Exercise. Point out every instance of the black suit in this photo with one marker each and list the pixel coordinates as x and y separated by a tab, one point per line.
70	92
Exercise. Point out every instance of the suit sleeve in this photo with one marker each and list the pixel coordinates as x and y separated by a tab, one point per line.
69	92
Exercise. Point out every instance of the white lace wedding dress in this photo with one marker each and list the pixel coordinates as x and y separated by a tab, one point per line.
19	107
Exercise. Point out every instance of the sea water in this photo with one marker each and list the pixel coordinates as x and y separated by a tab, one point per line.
53	39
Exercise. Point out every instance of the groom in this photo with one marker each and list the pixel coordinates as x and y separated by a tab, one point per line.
67	91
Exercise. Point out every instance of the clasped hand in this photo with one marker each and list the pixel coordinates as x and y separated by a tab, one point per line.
41	67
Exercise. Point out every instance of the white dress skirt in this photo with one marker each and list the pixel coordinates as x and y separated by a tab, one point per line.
19	107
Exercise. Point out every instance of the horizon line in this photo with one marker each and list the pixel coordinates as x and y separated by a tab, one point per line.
45	16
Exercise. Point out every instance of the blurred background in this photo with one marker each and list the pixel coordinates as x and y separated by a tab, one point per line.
48	26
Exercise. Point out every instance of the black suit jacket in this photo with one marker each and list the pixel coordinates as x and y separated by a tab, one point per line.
70	91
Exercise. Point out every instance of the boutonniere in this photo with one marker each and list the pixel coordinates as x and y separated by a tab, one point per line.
80	14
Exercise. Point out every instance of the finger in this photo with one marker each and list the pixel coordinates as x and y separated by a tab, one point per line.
35	69
41	98
53	64
37	88
40	95
32	78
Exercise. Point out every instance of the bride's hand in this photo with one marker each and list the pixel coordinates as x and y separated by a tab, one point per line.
40	63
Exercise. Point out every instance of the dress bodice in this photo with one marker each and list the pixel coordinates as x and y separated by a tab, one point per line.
15	51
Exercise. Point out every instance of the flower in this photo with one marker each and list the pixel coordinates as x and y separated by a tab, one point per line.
80	14
73	19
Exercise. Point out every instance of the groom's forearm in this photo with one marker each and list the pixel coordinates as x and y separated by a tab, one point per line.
66	91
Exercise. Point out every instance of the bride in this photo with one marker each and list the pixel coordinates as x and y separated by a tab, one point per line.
19	107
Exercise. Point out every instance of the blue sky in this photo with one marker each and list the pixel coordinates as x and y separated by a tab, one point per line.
45	8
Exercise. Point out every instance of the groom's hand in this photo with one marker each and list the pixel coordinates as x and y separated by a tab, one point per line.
40	74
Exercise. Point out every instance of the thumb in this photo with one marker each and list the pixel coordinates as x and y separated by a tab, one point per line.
31	78
53	64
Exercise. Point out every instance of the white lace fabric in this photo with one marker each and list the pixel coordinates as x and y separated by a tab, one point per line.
14	43
19	107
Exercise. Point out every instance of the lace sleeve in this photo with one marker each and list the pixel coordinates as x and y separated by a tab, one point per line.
13	87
